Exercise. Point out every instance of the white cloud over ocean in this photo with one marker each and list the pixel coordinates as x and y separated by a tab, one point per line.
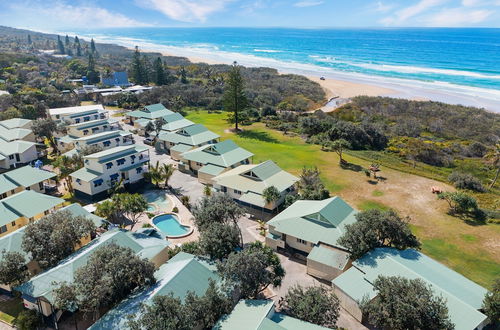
187	10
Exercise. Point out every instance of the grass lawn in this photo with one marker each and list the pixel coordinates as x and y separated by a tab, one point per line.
445	238
10	309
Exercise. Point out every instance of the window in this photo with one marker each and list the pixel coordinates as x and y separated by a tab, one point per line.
3	229
13	223
237	192
85	132
28	188
86	118
57	117
118	140
109	165
79	181
138	170
301	241
199	164
105	126
98	182
77	120
95	116
11	157
12	192
40	185
113	177
120	161
224	189
95	129
106	143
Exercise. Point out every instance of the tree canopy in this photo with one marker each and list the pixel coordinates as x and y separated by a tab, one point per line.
13	270
235	99
491	303
218	240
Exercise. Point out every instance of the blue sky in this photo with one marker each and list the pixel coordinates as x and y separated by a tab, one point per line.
63	15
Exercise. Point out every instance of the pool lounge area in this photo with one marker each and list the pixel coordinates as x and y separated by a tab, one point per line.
158	201
170	225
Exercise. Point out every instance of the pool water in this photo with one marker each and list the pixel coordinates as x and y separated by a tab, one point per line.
169	225
158	201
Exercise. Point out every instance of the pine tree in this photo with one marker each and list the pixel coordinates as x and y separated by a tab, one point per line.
92	46
138	71
60	46
29	39
234	96
92	75
66	41
160	78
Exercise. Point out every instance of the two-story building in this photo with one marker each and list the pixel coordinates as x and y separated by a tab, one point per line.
208	161
16	129
24	178
247	183
38	292
78	114
105	168
186	139
86	129
17	153
148	113
310	230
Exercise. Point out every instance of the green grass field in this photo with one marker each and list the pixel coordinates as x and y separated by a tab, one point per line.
468	249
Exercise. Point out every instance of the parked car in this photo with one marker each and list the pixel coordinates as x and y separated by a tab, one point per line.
149	141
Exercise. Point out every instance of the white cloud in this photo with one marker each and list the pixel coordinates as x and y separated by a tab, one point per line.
302	4
471	3
59	14
402	16
381	7
187	10
455	17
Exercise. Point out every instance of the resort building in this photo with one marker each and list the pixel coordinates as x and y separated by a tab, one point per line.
87	129
38	294
12	242
186	139
210	160
259	315
175	122
105	168
148	113
463	297
17	153
24	178
310	230
180	275
24	207
78	114
107	139
246	184
16	129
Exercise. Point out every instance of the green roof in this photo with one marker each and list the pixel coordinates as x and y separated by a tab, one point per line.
116	152
175	121
27	203
78	211
102	136
85	174
328	256
181	274
256	178
150	112
211	169
260	315
154	107
12	134
463	297
181	148
315	221
93	123
223	154
191	135
23	177
15	122
43	284
14	147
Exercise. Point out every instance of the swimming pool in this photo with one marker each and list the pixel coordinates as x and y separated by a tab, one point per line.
158	201
170	225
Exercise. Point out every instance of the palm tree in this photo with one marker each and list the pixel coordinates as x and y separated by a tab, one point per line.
271	195
67	165
166	172
493	157
155	174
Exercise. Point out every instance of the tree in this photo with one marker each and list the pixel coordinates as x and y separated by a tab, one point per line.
159	70
491	303
234	98
78	46
66	41
459	202
252	270
92	75
375	228
217	208
155	174
310	185
28	319
45	129
132	206
403	304
93	49
493	157
218	240
271	195
55	236
67	165
315	304
207	191
138	70
182	73
157	126
13	270
339	146
466	181
107	210
60	46
112	272
29	40
166	172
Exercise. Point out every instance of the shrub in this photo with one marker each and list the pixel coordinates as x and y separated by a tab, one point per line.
466	181
175	209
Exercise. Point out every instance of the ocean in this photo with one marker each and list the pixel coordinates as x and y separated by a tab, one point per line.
451	65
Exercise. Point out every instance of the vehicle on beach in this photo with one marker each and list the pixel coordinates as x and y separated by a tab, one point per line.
322	78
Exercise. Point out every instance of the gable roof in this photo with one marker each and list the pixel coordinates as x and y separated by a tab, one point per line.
260	315
15	123
23	177
152	111
181	274
120	151
73	110
27	203
332	257
154	107
11	134
175	121
44	283
223	154
315	221
463	297
102	136
15	147
93	123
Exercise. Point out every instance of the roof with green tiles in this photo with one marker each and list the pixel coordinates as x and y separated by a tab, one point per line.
15	147
223	154
260	315
175	122
27	203
152	111
463	297
255	178
93	123
15	123
12	134
23	177
43	284
181	148
327	256
315	221
181	274
102	136
12	241
116	152
85	174
192	135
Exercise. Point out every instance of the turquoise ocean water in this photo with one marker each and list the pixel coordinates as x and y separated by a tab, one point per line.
463	62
